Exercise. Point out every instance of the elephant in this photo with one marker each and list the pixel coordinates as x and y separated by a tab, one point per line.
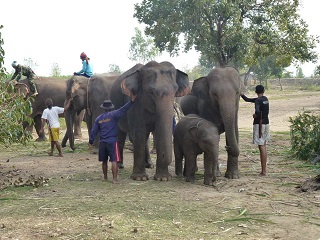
156	85
193	136
216	99
88	94
47	87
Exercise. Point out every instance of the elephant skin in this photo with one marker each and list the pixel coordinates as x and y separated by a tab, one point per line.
88	94
216	99
193	136
156	85
47	87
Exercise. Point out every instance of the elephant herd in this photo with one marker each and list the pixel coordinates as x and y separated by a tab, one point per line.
210	109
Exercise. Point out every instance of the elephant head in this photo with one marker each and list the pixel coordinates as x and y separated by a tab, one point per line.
156	85
217	97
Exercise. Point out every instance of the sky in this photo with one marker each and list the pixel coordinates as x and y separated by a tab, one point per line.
58	31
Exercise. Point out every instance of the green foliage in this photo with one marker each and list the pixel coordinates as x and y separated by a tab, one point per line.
55	70
229	31
305	136
14	110
114	68
299	73
196	72
142	48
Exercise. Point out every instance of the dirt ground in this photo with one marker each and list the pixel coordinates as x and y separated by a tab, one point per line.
278	192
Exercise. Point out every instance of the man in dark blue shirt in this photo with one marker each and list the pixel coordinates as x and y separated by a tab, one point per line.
261	130
106	124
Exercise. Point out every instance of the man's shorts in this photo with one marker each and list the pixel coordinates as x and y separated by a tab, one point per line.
265	129
54	134
109	150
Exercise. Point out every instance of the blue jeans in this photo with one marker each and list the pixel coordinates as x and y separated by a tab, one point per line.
82	74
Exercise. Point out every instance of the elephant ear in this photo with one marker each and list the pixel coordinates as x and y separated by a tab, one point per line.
193	131
130	84
243	88
75	86
200	88
183	84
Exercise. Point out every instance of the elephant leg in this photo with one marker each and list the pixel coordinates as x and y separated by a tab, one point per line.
232	166
139	150
178	156
77	125
122	139
190	167
149	163
37	123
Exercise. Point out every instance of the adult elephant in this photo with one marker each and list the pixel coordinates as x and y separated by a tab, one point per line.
47	87
216	99
156	85
88	94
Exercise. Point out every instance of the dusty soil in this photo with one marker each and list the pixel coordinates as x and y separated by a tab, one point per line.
296	214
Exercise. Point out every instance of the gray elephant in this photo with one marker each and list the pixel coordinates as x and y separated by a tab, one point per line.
87	94
216	99
156	85
192	136
47	87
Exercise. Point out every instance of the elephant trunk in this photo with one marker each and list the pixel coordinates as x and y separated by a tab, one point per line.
230	121
70	118
163	132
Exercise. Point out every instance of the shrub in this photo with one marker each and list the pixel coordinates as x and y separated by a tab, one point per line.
305	136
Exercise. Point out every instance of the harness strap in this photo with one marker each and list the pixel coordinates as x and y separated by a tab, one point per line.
88	107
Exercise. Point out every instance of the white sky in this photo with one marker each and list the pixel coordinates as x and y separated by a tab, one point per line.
58	31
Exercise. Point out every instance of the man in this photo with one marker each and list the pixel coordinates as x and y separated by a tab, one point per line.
261	130
86	70
106	124
51	116
25	71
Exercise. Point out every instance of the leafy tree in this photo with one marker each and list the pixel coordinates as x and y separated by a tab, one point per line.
114	68
316	71
299	73
55	70
229	31
142	48
30	63
13	109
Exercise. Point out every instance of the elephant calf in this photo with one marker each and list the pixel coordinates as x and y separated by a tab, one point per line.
192	136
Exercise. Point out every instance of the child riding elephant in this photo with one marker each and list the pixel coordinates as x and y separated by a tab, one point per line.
192	136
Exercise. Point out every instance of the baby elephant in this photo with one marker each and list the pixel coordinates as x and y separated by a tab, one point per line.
192	136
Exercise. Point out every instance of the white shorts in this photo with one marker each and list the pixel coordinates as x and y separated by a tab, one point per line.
265	134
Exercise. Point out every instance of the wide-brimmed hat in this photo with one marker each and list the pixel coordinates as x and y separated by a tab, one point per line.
107	105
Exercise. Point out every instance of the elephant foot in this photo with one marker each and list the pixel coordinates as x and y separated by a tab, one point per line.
139	177
149	164
77	137
162	177
120	165
190	179
232	174
209	181
41	139
218	173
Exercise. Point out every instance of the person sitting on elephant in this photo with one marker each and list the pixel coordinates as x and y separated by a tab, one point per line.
87	70
106	124
261	129
51	116
25	71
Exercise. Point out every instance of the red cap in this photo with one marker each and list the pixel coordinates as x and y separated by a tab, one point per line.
83	55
